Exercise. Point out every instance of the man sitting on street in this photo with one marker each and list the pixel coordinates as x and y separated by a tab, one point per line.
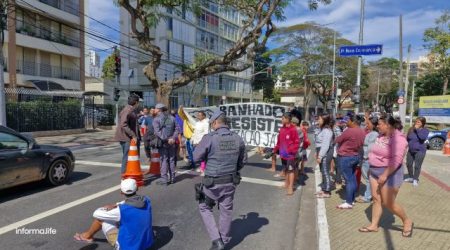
127	224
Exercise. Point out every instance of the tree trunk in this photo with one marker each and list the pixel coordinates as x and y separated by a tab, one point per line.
162	96
307	100
444	89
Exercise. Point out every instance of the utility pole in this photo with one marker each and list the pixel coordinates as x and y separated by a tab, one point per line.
206	78
403	109
2	80
411	104
358	78
378	90
333	94
400	80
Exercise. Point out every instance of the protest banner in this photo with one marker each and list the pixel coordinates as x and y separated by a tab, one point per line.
257	123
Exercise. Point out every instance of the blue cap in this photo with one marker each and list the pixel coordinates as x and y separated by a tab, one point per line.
346	119
215	115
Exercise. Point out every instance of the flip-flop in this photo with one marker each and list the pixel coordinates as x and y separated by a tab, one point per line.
408	234
367	230
77	237
323	195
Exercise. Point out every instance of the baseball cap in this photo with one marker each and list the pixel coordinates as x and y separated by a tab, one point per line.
215	115
160	106
128	186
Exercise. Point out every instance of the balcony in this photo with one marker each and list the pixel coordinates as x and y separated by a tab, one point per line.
48	35
46	70
71	7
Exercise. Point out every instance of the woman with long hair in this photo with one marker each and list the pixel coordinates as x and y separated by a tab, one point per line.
416	137
324	154
386	173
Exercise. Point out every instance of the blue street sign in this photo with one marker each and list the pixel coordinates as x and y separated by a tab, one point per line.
400	92
361	50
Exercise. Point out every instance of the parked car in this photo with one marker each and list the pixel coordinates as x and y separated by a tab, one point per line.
22	160
436	139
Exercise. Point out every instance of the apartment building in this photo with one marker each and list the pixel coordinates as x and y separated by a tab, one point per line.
43	43
183	36
94	69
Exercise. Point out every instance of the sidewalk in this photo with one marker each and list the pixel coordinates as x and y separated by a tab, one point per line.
427	205
90	138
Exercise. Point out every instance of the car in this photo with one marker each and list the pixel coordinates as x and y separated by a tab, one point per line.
22	160
436	139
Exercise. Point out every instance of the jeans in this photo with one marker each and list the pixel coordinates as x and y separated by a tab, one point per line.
347	165
365	174
325	169
125	148
415	158
190	150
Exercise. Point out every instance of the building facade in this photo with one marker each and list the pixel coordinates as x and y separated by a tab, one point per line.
43	42
94	64
282	84
183	37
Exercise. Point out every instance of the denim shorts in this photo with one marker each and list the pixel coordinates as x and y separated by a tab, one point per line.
395	180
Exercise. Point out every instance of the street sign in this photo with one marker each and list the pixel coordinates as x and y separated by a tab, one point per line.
400	92
361	50
400	100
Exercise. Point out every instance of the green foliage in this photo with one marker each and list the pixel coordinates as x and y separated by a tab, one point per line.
263	80
108	70
43	115
429	84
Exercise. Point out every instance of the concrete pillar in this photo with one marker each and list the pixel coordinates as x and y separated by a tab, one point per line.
12	59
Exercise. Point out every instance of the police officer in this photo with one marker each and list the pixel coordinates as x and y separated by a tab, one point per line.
166	129
224	153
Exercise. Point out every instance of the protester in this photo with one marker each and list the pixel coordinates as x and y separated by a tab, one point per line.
324	149
417	149
146	123
201	128
295	122
350	143
127	129
166	129
287	147
188	131
386	173
127	224
338	128
371	125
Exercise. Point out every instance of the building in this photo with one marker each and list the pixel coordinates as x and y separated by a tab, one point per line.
94	64
43	42
183	37
280	84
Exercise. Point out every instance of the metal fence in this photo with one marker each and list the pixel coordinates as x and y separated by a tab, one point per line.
29	110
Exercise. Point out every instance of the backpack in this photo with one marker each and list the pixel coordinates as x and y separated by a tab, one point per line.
306	141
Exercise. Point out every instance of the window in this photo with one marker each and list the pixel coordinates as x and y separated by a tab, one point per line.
8	141
206	40
209	21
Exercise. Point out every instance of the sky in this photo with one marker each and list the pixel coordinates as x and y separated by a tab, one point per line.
381	22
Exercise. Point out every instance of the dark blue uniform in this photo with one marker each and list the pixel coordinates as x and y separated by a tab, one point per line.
224	153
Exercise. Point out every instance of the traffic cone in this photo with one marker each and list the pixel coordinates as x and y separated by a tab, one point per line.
155	163
133	169
446	149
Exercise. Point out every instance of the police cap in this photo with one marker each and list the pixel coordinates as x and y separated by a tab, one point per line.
216	115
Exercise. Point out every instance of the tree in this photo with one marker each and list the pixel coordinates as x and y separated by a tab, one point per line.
384	71
429	84
307	50
257	27
108	69
437	39
263	80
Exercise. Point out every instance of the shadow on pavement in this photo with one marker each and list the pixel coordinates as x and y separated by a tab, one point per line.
163	235
248	224
36	187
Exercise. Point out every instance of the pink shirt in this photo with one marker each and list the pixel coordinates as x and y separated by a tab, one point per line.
388	151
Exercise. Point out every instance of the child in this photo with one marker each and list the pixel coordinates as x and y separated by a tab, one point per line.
306	143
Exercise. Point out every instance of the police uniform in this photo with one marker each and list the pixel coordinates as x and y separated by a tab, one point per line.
166	128
224	154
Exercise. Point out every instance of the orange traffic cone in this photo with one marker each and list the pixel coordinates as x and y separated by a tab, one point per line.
133	169
155	163
446	148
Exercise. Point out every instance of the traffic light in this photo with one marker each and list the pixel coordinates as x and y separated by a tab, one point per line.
116	94
118	65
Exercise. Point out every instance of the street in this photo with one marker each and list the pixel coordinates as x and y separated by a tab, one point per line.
264	217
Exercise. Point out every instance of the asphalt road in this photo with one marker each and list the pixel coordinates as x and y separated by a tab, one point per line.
264	217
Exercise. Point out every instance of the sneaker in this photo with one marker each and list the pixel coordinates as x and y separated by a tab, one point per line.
410	180
344	201
415	183
344	206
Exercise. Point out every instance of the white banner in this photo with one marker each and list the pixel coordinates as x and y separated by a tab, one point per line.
257	123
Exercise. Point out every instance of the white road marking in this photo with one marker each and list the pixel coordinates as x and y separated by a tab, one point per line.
322	223
55	210
97	163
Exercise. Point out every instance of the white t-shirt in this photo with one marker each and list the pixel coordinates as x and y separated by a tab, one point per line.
201	129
